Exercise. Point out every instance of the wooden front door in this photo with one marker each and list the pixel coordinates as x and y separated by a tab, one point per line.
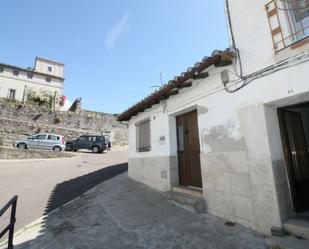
188	150
297	158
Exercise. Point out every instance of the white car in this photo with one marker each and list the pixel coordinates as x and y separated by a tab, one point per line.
41	141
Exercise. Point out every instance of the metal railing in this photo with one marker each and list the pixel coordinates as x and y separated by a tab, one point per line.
288	22
10	228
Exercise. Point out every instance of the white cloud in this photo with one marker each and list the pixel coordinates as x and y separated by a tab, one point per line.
115	32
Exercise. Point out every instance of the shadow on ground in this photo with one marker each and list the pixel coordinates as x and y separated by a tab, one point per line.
122	213
68	190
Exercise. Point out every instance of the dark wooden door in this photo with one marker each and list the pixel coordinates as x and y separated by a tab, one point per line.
296	153
188	150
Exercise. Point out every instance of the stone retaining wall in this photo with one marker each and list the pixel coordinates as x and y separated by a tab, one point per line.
8	153
17	120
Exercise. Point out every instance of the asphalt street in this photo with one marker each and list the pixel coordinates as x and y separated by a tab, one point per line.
44	185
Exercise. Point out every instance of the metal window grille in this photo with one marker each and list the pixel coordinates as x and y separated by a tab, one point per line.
143	137
288	22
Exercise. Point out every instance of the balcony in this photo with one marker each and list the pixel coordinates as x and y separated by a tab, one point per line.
288	22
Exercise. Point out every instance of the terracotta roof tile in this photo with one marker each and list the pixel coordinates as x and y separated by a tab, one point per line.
218	58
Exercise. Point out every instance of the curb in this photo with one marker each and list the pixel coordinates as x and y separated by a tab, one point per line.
38	159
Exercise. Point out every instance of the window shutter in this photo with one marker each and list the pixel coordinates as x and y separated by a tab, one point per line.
143	141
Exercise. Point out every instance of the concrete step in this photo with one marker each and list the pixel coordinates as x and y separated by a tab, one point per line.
192	202
286	242
298	227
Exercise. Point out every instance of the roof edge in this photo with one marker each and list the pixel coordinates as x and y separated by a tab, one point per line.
218	58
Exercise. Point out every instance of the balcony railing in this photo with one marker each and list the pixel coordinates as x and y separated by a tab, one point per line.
288	22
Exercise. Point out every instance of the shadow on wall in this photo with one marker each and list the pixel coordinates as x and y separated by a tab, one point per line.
66	191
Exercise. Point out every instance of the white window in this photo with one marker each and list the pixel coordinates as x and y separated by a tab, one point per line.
12	93
143	137
15	72
50	69
301	15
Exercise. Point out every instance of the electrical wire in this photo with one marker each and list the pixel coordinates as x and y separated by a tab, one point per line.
238	58
245	80
269	70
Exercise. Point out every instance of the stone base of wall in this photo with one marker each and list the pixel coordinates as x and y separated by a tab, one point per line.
241	189
160	173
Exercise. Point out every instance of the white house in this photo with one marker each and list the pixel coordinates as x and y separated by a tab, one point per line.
239	132
46	74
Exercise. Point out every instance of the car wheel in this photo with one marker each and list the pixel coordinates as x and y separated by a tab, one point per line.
95	149
57	149
22	146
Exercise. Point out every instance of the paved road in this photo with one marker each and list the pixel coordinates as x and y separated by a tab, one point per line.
44	185
121	213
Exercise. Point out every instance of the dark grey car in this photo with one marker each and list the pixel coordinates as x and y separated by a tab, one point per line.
94	143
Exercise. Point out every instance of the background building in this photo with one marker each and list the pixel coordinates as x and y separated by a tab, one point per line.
45	75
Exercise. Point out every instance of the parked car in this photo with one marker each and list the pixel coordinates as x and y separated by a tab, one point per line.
41	141
108	142
94	143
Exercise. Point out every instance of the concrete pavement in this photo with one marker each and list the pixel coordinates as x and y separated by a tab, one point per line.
121	213
36	182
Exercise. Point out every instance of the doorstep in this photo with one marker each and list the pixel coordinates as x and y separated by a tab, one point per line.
189	198
298	226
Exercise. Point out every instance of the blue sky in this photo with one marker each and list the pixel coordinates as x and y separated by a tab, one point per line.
113	51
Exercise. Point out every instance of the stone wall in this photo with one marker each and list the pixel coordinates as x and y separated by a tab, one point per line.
17	120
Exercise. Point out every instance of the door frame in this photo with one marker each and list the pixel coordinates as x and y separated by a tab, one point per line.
187	181
286	148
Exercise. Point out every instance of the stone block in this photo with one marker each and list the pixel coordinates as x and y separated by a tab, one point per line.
240	183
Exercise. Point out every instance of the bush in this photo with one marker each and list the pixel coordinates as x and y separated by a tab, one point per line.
42	97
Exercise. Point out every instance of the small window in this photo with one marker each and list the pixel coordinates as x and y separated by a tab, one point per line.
15	72
50	69
40	137
83	139
52	137
30	75
48	79
143	141
1	69
12	94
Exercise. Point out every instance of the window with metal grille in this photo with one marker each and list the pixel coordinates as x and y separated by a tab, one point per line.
143	137
288	22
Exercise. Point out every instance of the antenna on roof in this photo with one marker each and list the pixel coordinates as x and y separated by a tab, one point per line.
161	80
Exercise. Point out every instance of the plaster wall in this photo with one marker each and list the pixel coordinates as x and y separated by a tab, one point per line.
10	81
243	171
41	65
253	35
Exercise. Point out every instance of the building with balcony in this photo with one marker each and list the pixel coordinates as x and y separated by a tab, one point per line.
45	75
235	125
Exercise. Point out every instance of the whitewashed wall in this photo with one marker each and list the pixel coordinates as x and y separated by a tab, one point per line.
10	81
243	169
